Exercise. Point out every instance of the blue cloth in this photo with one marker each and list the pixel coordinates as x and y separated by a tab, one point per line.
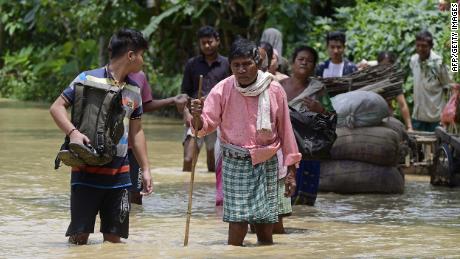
348	67
424	126
307	179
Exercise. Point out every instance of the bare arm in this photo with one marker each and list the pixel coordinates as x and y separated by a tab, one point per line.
157	104
291	155
178	100
290	182
187	116
404	111
58	111
137	138
207	115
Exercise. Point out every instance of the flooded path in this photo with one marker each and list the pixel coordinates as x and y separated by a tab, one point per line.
34	201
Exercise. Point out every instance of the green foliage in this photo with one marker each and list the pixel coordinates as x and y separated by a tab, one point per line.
41	73
374	26
293	18
173	26
71	36
172	29
317	33
387	25
64	42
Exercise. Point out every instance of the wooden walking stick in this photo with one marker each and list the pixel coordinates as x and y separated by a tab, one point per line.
192	175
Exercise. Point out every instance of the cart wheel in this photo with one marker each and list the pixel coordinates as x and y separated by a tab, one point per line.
443	166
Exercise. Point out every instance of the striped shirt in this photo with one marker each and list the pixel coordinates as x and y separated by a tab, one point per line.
116	173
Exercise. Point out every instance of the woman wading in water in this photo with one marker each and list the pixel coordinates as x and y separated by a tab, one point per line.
305	92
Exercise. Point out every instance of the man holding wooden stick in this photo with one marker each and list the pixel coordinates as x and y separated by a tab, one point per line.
252	113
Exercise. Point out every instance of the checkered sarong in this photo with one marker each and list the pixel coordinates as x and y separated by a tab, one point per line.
250	192
284	203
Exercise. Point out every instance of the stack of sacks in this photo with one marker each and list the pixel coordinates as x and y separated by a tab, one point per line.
367	151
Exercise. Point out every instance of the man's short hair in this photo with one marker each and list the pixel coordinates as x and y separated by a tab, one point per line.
337	36
244	48
126	40
305	48
207	31
425	36
386	55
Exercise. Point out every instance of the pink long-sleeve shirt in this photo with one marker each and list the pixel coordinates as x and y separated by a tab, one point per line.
236	115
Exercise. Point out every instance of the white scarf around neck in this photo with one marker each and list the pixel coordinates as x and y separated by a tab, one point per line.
260	88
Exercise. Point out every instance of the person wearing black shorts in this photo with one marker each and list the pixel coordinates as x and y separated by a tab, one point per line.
103	189
111	204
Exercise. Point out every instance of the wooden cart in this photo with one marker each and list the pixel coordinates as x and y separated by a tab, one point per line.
420	156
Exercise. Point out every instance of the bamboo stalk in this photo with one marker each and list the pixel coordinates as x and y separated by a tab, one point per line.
192	175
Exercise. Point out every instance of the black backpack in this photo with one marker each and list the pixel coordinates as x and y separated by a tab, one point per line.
98	113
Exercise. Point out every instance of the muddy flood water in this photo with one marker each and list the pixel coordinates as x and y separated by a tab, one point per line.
34	207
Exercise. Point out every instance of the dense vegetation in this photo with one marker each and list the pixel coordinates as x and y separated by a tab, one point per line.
45	43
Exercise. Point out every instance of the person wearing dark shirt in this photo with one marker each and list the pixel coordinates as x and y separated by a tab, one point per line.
214	68
336	65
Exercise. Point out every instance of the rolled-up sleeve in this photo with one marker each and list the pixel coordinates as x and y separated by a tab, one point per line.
212	112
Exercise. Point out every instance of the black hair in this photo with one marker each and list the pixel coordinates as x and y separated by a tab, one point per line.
335	35
425	35
244	48
126	40
386	54
305	48
269	49
207	31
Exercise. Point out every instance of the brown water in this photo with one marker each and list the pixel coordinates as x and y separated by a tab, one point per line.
34	201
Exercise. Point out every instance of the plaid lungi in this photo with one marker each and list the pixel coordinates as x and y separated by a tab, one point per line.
284	203
250	192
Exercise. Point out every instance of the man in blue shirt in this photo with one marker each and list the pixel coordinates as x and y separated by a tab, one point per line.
103	189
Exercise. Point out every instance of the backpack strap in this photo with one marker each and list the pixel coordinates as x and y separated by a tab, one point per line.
76	114
101	124
78	104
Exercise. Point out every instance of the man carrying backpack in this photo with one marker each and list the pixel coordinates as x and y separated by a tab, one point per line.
103	188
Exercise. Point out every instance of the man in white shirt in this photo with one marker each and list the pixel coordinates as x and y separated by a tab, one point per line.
336	65
431	78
